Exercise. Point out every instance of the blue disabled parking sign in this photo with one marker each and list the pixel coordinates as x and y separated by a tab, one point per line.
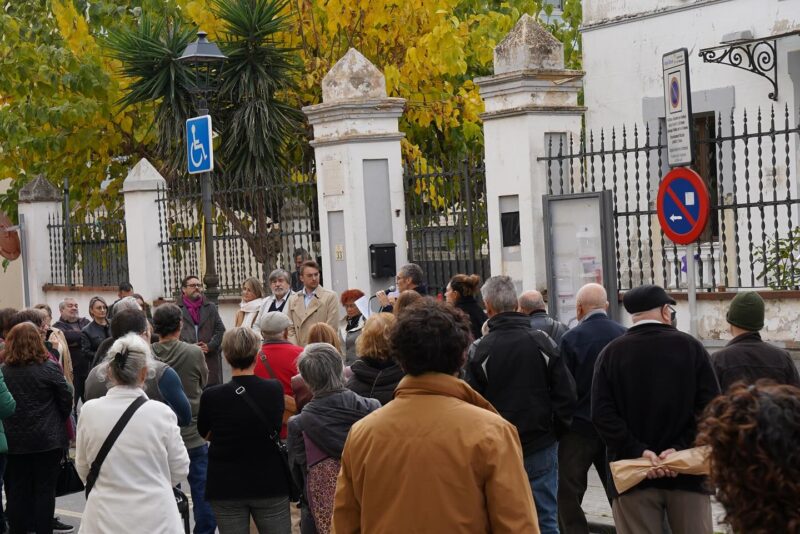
200	151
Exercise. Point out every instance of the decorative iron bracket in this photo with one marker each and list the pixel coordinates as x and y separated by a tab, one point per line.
758	56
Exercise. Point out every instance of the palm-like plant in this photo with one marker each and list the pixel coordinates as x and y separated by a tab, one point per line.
255	127
253	123
256	124
149	55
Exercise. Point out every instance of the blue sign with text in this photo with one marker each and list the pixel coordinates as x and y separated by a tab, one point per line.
200	151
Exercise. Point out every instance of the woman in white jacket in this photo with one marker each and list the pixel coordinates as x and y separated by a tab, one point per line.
133	491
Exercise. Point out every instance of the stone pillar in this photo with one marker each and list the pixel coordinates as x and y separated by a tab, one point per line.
529	96
39	204
143	230
359	172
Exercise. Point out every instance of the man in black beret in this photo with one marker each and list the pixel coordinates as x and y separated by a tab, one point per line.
649	386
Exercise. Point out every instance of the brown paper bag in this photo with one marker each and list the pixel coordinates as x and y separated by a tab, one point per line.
628	473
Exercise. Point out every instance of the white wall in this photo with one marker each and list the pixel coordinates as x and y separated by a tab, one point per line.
623	61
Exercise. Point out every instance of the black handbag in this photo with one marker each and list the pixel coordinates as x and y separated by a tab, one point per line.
294	491
68	480
183	507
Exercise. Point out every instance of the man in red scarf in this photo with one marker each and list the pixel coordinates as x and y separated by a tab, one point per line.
202	325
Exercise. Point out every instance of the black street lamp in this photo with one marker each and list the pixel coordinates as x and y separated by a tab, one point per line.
205	60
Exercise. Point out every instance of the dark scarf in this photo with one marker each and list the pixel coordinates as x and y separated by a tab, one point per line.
193	307
352	322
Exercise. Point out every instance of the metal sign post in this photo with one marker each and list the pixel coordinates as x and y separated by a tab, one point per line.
692	288
683	206
683	200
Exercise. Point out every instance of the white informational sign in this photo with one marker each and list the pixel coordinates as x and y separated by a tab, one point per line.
678	108
577	252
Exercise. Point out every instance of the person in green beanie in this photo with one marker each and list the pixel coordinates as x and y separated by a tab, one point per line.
747	357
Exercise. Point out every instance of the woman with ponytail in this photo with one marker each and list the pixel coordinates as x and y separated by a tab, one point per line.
461	291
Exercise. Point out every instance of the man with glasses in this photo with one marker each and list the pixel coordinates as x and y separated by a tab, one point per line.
649	387
71	324
409	277
202	325
313	304
280	285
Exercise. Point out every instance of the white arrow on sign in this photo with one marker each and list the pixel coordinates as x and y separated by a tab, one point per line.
674	218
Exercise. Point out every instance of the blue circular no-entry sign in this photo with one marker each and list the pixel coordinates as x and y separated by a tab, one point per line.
683	205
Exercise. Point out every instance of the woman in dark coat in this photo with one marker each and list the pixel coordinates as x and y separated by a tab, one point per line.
317	435
461	291
97	331
376	373
246	475
36	432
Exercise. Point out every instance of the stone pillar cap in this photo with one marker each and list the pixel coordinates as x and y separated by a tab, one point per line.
353	77
143	177
528	46
39	190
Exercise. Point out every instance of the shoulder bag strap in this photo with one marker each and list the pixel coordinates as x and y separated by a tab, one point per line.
94	471
241	391
265	361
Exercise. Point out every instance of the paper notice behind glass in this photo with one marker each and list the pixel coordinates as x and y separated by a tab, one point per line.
577	251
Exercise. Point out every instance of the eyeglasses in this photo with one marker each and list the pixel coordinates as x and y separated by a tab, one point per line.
193	285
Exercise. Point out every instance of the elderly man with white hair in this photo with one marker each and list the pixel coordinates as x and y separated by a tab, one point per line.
649	387
71	324
581	446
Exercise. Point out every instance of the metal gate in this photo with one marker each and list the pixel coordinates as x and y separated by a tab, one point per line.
446	219
753	236
257	227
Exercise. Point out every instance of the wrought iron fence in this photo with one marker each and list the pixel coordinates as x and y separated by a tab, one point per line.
91	252
446	221
256	227
752	239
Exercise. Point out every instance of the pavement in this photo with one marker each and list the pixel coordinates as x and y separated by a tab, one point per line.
595	505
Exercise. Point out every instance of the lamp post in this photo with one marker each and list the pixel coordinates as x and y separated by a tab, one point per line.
205	60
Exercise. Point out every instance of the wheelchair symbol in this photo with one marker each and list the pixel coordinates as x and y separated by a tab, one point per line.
198	149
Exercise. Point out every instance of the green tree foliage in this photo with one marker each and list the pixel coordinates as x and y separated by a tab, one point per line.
65	108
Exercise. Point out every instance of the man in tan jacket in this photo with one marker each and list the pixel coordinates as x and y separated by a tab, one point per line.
438	458
314	304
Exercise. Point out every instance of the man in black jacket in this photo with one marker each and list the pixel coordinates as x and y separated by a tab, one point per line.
531	303
649	387
746	357
581	447
518	369
71	324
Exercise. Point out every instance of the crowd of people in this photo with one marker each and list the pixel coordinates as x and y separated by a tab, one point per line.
472	412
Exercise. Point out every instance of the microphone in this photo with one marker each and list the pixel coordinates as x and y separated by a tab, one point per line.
388	290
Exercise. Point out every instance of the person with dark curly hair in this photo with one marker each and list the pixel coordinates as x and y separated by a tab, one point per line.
438	437
753	432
